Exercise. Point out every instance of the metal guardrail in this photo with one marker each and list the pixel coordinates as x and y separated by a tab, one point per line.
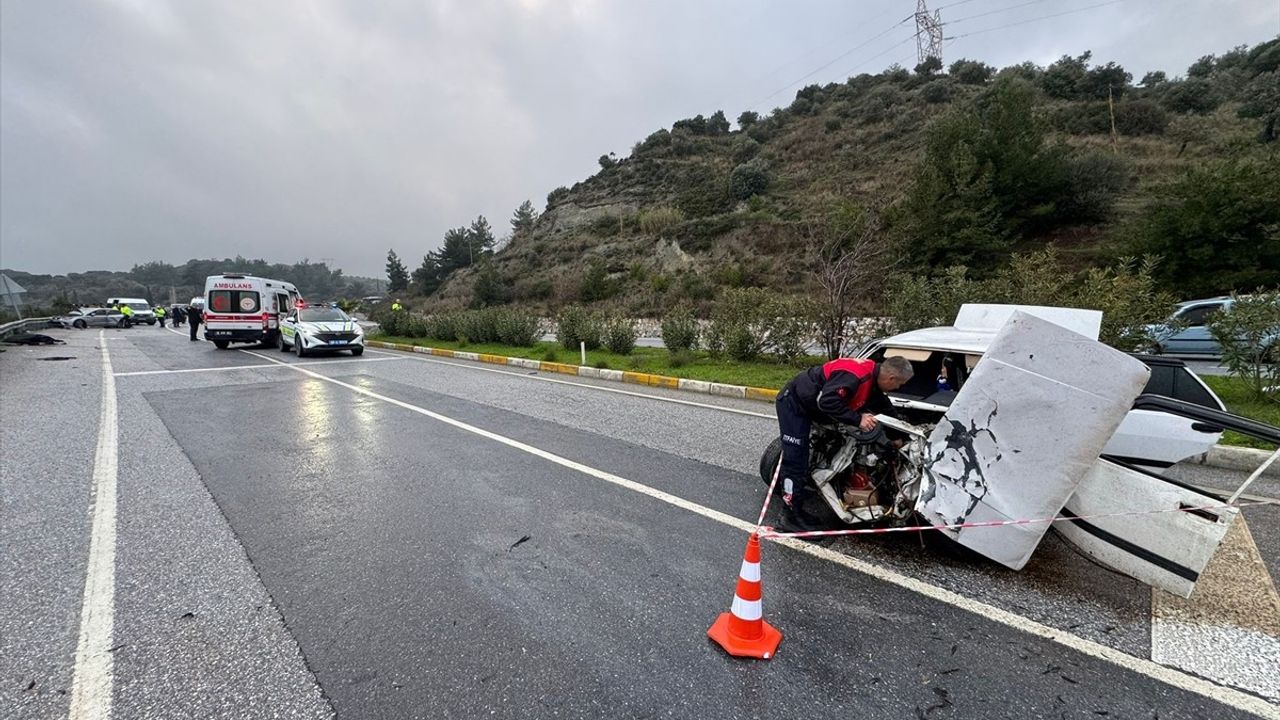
19	326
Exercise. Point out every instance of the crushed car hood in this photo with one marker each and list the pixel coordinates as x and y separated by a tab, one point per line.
1023	432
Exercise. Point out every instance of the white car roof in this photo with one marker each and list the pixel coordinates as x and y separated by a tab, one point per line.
977	324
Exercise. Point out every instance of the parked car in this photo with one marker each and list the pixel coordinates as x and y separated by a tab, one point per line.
1145	437
311	329
89	317
1187	333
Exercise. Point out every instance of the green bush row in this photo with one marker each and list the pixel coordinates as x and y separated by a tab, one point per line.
507	326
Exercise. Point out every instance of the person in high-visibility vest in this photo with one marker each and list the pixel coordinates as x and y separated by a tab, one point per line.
396	306
160	314
127	312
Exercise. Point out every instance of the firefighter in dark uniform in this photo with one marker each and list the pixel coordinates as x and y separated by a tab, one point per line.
847	390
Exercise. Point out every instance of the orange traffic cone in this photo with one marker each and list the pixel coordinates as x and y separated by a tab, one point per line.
742	631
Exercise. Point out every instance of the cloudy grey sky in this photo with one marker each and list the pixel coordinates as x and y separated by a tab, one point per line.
137	130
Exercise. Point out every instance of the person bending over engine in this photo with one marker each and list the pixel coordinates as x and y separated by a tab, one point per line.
847	390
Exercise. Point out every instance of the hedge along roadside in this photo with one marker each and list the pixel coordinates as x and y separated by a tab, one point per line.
1221	456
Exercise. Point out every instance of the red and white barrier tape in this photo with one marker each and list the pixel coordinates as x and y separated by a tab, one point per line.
766	531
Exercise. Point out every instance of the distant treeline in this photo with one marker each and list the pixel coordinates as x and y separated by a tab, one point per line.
161	282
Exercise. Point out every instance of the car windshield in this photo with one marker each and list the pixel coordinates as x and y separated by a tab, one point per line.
322	314
139	306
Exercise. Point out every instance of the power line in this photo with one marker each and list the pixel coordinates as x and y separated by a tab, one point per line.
993	12
836	59
1037	19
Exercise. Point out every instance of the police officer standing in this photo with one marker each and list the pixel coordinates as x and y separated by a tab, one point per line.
160	314
127	312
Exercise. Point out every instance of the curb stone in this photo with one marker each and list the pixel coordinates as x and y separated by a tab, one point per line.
1220	456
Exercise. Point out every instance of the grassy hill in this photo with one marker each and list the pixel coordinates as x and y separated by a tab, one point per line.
705	205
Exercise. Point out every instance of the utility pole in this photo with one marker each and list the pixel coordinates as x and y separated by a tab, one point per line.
1111	108
928	32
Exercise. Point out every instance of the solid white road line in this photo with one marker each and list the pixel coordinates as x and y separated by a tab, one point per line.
258	366
470	366
92	682
1170	676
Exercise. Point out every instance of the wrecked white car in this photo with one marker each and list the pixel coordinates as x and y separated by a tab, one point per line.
1022	437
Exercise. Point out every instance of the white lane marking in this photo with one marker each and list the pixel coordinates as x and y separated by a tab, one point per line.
92	683
258	366
1169	676
468	366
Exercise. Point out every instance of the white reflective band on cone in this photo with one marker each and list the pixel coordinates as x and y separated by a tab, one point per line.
746	609
750	571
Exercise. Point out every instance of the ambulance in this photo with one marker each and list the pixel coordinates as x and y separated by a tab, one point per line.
246	309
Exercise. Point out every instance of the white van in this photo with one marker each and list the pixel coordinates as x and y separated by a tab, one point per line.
142	312
245	309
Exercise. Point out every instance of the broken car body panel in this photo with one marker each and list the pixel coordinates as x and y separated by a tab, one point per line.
1023	433
1166	544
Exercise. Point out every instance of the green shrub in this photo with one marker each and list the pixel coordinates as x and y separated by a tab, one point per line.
605	226
738	324
971	72
749	178
578	325
442	326
619	335
551	354
680	331
557	195
938	91
1249	334
789	328
596	283
517	327
1096	180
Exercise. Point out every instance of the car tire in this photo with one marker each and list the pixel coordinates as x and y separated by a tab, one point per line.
284	347
80	324
769	461
152	321
298	350
357	351
221	344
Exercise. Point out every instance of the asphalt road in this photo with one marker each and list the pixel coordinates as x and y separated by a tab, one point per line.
397	536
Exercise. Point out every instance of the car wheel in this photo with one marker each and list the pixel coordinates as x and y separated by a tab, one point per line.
357	351
769	461
80	324
152	321
284	347
221	344
297	347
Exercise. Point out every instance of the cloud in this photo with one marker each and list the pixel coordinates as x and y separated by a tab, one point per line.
138	130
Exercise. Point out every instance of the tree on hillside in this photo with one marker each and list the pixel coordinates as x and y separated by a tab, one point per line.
480	239
524	218
931	65
987	175
850	257
1063	78
717	124
455	253
970	72
397	276
427	279
747	119
1217	229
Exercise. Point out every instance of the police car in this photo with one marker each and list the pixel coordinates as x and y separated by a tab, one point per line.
309	329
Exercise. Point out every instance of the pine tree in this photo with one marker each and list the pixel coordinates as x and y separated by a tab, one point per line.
524	218
427	278
480	239
397	275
